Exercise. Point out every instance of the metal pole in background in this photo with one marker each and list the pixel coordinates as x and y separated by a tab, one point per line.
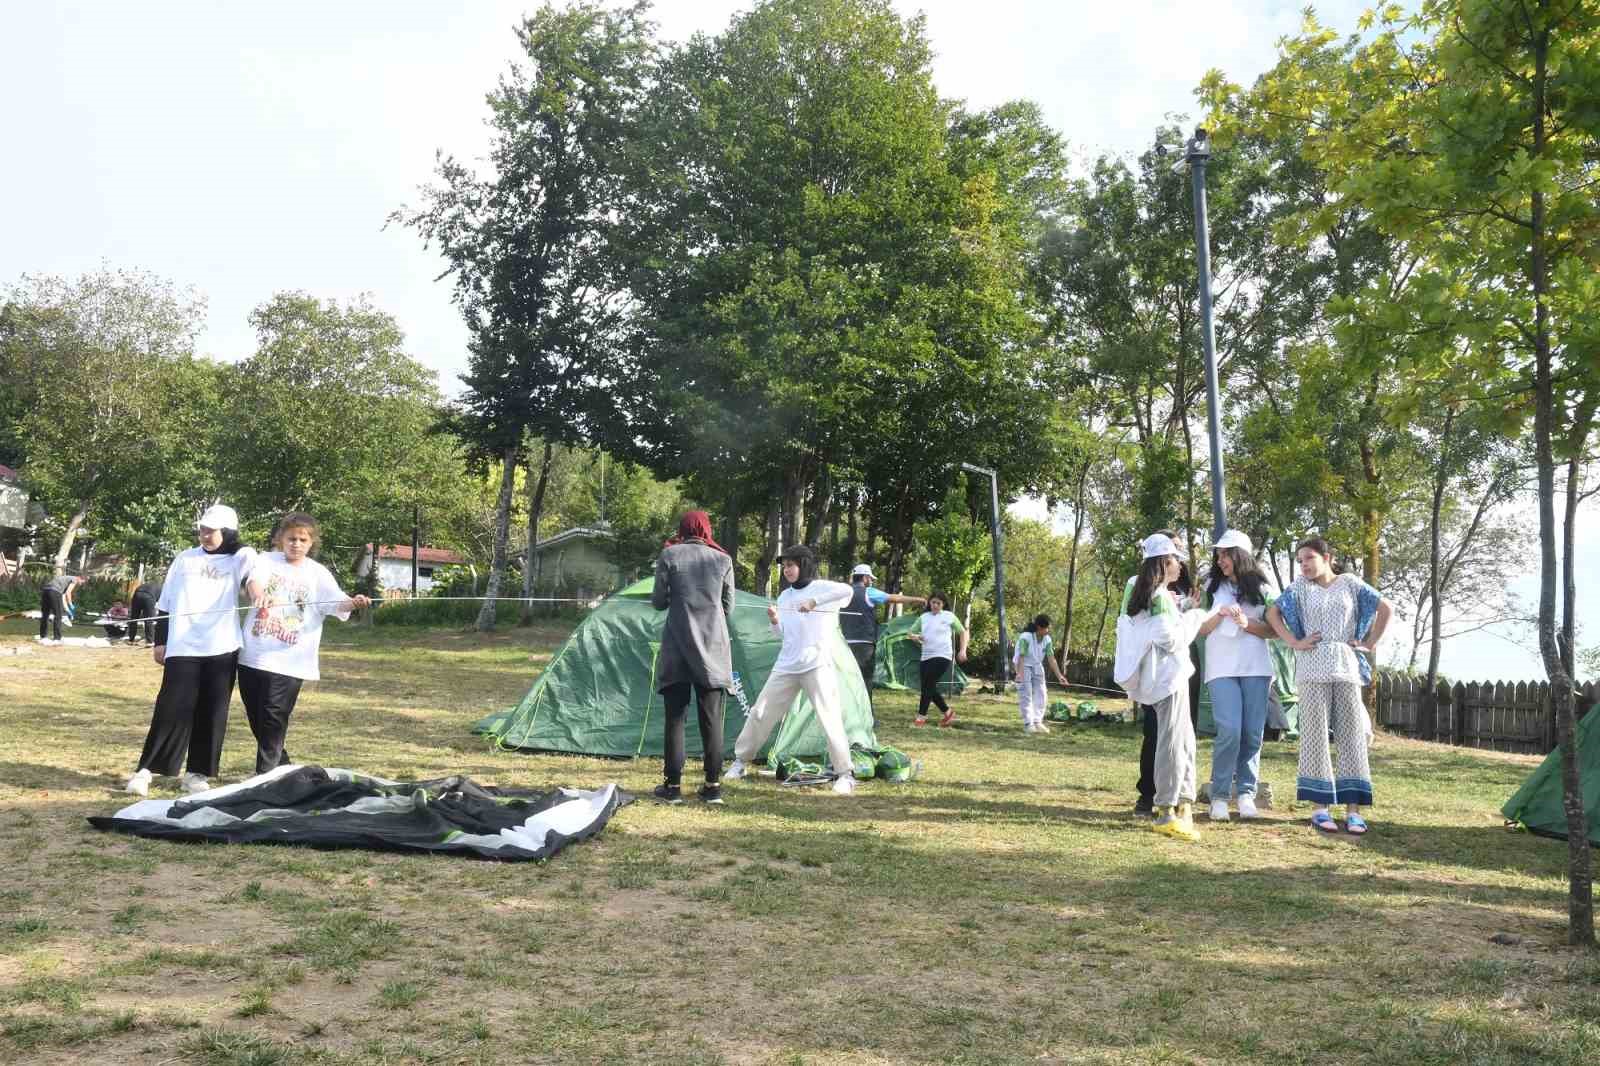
1196	153
998	537
416	544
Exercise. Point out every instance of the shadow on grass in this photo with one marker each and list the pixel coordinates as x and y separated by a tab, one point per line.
37	775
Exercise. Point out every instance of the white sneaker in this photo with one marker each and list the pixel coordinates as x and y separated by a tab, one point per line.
1247	806
1040	727
735	771
192	783
1219	810
139	783
1028	727
844	786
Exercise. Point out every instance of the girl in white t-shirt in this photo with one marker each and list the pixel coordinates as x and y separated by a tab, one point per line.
1238	671
806	616
284	634
1034	648
937	631
197	647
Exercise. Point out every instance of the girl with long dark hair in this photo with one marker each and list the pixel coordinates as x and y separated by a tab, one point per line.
1238	671
1153	666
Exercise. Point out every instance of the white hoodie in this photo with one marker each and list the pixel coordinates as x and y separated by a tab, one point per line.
1153	649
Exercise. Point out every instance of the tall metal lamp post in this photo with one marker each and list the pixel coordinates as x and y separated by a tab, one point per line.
998	537
1195	155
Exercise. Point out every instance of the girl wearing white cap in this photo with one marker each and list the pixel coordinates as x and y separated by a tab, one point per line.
197	646
1152	664
1238	671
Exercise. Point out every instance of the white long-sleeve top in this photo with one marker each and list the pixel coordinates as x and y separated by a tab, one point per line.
806	636
1153	649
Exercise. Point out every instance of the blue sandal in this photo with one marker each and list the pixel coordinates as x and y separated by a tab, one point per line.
1354	824
1324	821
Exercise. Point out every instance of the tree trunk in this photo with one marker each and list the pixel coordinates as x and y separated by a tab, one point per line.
64	551
851	528
1580	882
821	507
769	550
531	564
730	528
1072	561
1577	441
1105	611
502	533
1435	604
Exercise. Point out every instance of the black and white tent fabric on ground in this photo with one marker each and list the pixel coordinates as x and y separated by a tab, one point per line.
331	808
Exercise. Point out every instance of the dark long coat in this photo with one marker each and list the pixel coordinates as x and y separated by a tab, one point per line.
694	585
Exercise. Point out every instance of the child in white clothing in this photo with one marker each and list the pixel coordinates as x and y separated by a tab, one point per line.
804	618
1034	648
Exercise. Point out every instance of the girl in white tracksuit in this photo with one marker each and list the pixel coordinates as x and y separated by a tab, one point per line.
806	616
1153	665
1033	651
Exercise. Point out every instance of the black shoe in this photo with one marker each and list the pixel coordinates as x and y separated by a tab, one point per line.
710	794
669	794
1145	808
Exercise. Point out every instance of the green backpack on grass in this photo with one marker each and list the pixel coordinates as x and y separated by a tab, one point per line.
895	765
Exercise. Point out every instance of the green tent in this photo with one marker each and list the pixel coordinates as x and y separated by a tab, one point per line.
1537	804
598	695
1282	684
898	655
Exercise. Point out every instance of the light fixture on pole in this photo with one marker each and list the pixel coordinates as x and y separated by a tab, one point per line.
998	537
1196	153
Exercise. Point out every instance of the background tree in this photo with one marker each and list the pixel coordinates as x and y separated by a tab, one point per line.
531	249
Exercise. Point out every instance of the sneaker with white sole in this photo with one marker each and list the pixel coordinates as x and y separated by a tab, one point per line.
1028	727
192	783
1040	727
844	785
139	783
1219	810
736	770
1247	806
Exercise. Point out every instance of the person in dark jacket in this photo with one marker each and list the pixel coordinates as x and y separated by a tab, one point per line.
859	623
143	605
694	585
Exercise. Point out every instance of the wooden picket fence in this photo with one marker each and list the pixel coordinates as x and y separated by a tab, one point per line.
1502	716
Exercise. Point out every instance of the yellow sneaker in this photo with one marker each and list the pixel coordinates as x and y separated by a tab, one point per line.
1176	822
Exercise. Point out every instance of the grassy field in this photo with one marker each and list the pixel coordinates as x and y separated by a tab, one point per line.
1004	908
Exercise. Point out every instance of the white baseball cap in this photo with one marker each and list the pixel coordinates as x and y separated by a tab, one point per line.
219	516
1235	538
1157	545
862	570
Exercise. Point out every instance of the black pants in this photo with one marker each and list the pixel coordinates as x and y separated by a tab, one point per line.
1147	755
708	701
191	715
143	606
933	671
867	660
51	608
269	700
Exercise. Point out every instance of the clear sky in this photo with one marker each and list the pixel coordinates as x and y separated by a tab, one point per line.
246	149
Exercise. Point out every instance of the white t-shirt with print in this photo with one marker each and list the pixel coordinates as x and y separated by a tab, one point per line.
938	634
287	639
1230	651
199	593
806	636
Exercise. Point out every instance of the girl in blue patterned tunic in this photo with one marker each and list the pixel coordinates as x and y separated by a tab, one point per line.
1333	622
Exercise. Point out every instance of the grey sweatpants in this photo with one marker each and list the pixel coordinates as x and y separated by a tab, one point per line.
1175	756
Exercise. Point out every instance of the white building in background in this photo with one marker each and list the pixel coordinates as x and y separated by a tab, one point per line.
394	565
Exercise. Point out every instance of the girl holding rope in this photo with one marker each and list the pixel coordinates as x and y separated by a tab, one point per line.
197	647
282	641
